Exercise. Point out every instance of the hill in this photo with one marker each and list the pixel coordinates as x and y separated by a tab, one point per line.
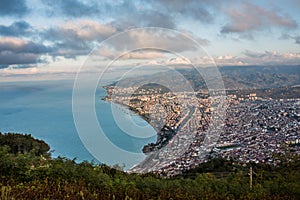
234	77
24	175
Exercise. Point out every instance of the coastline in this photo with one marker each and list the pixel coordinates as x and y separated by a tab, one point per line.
160	132
108	99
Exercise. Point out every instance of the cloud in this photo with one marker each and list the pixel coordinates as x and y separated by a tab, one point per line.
139	54
160	13
143	55
126	13
199	10
253	54
18	28
249	58
17	66
19	51
13	8
153	38
88	29
8	58
253	58
121	14
144	19
229	60
247	17
295	37
75	38
72	8
18	45
271	58
131	14
13	70
204	61
199	40
148	43
177	60
22	66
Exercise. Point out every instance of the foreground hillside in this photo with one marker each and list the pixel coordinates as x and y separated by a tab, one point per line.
28	172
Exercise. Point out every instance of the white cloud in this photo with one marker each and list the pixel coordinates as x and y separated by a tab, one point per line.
153	38
272	58
249	58
87	29
11	70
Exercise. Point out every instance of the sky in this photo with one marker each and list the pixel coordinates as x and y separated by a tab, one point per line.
54	37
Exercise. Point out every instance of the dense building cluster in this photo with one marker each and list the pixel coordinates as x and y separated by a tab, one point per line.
260	129
251	130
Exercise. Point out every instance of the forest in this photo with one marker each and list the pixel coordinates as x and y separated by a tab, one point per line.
27	171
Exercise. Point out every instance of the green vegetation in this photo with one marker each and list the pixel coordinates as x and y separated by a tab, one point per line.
28	172
18	143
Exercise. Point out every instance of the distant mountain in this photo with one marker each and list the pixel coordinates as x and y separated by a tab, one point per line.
250	77
234	77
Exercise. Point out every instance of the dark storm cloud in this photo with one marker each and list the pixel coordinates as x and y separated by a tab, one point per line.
19	28
13	8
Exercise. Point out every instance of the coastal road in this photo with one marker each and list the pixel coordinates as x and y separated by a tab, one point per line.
173	150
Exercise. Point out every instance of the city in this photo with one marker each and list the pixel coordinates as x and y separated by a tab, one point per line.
159	99
253	129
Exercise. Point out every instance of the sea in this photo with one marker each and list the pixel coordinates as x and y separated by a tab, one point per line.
44	110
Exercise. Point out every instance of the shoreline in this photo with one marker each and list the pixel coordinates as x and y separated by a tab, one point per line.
162	134
107	99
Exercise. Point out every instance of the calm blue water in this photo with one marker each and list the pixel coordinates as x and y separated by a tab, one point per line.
44	109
